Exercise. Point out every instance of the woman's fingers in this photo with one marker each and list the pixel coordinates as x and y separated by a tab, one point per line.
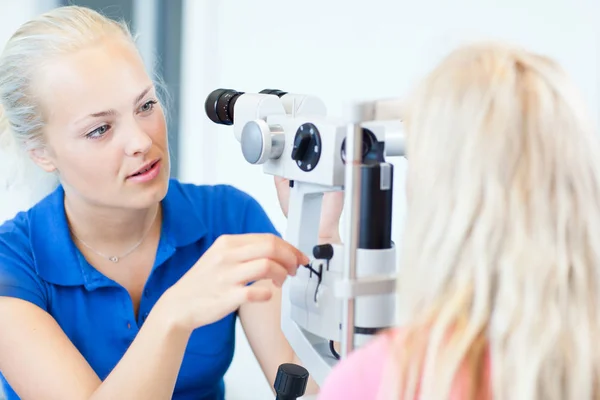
245	294
257	270
234	297
253	247
258	293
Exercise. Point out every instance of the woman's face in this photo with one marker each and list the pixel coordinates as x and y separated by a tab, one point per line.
104	124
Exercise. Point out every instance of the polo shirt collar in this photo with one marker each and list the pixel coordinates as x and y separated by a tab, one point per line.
57	259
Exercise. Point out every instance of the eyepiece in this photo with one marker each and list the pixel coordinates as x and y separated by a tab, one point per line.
219	105
370	148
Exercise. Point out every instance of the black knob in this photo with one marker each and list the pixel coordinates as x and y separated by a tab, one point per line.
323	252
276	92
301	142
307	147
290	382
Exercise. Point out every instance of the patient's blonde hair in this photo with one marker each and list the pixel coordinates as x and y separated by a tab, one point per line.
502	246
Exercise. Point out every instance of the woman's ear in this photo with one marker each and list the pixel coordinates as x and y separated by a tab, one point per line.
41	157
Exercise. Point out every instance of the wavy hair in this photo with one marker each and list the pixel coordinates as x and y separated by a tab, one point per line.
501	260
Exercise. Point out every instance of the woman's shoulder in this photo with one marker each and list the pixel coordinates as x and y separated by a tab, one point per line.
368	372
18	274
225	207
18	233
360	374
15	236
223	194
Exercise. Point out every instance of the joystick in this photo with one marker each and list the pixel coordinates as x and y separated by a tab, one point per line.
290	382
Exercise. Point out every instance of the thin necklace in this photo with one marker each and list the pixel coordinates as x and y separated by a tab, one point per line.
116	259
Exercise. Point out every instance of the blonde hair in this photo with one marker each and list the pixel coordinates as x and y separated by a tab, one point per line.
59	31
501	256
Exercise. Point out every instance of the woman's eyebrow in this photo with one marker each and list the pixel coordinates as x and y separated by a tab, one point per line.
113	112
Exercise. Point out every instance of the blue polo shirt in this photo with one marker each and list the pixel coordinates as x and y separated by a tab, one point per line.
39	263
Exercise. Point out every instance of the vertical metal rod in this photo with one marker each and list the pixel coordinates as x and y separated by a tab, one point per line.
352	207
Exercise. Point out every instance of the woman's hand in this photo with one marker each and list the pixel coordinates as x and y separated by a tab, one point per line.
218	283
331	210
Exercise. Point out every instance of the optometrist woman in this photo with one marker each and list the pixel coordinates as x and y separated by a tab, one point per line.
124	283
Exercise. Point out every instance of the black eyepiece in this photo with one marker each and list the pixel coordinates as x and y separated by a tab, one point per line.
220	104
371	149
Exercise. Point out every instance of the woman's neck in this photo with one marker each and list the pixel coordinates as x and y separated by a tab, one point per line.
110	231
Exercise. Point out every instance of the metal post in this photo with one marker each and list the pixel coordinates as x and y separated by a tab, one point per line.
352	207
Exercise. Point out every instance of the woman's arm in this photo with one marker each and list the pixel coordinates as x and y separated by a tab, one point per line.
41	363
262	326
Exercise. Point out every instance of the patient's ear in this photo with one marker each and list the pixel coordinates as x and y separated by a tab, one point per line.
41	157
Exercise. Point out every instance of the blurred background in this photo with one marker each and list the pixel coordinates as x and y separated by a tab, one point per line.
339	50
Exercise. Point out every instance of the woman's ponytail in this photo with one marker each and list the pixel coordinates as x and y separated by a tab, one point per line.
8	153
22	182
5	136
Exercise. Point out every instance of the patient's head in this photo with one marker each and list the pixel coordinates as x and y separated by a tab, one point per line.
503	223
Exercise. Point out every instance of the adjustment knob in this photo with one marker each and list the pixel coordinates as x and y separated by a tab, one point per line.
290	382
307	147
276	92
323	251
260	142
301	142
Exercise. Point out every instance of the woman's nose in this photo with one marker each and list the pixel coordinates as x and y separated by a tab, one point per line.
138	141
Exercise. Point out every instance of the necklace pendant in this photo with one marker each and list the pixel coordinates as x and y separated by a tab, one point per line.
114	259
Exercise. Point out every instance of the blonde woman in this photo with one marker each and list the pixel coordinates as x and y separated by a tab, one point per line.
501	264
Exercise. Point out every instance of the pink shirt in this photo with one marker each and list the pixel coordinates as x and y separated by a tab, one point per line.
360	375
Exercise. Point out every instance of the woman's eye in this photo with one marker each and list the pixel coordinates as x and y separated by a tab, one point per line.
98	132
148	106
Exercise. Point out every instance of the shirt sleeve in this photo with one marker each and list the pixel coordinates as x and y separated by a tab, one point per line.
255	219
18	277
359	375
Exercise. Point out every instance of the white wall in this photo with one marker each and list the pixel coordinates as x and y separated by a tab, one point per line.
10	19
22	197
342	50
